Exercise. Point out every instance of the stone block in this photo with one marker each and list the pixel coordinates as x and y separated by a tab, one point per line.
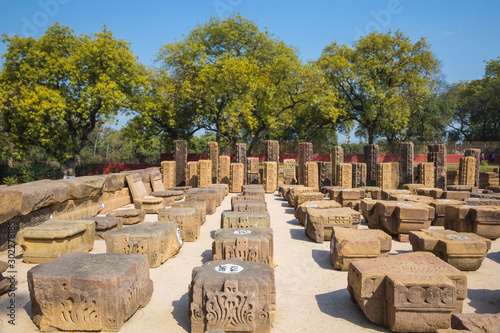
301	211
224	174
241	157
348	245
395	174
54	238
186	219
180	188
401	217
371	154
289	171
270	178
320	222
476	154
4	280
168	172
336	158
426	174
295	191
245	220
129	216
386	194
36	195
113	200
481	220
180	157
208	200
302	197
156	181
412	187
169	196
232	296
358	175
452	177
406	153
252	165
465	251
455	195
435	193
114	182
251	244
204	173
285	188
84	187
305	155
244	197
152	205
373	192
219	193
213	156
253	178
324	174
344	175
347	197
75	209
224	187
199	208
249	206
487	179
474	322
467	171
90	292
192	174
408	292
440	209
465	188
311	174
105	224
159	241
367	207
255	191
481	202
237	177
437	155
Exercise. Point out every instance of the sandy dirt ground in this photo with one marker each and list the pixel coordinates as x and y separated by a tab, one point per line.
311	295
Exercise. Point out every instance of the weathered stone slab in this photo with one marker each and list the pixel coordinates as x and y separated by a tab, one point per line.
199	208
129	216
168	172
371	154
249	206
87	290
204	173
180	157
186	219
192	174
113	200
481	220
465	251
54	238
465	188
408	292
301	211
224	174
476	154
348	245
241	157
152	205
406	152
344	175
75	209
426	174
437	155
270	177
105	224
289	175
481	202
302	197
473	322
336	158
467	171
455	195
305	155
85	187
249	285
38	194
245	220
114	182
213	156
251	244
320	222
358	175
237	177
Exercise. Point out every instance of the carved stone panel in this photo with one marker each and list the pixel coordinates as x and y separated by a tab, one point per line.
305	155
186	219
467	171
168	172
311	174
180	156
241	157
224	170
336	157
437	155
406	152
476	153
426	174
213	156
344	173
358	175
204	173
371	153
245	220
237	177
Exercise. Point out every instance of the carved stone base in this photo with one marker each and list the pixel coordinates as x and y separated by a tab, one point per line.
320	222
401	217
199	207
152	205
301	211
88	292
249	206
209	200
158	240
232	296
300	198
186	219
105	224
245	220
253	198
129	216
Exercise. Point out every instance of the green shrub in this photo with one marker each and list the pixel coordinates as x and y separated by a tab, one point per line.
10	180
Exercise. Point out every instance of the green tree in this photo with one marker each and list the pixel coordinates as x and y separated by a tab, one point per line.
381	80
54	90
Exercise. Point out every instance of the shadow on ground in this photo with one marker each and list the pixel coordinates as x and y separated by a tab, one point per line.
206	256
323	259
299	234
338	304
289	211
495	256
484	300
180	312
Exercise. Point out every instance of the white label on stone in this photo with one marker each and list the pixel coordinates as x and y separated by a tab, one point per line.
179	236
472	198
148	197
311	205
51	217
404	195
402	190
103	184
326	198
242	232
457	237
101	205
469	206
228	269
404	204
443	200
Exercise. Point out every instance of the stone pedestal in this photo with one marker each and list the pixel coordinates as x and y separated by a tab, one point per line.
128	216
426	174
305	155
348	245
476	153
245	220
105	224
270	178
186	219
311	174
90	292
249	206
467	171
180	157
224	170
204	173
213	156
437	155
371	153
440	209
302	197
251	244
409	292
344	175
168	172
199	208
481	220
207	199
401	217
465	251
233	296
54	238
320	222
289	172
358	175
336	158
241	157
192	173
237	177
406	162
158	240
301	211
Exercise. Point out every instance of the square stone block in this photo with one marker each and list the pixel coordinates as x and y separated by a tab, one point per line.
186	219
465	251
440	208
320	222
249	206
408	292
347	197
348	245
232	296
481	220
401	217
455	195
283	189
301	211
251	244
158	240
198	206
245	220
220	191
105	224
53	238
243	197
216	193
88	292
367	206
295	191
430	192
225	187
209	200
302	197
129	216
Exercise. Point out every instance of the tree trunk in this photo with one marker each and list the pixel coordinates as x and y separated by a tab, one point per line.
254	141
69	166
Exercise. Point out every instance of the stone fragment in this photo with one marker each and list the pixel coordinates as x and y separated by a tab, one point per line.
301	211
204	173
237	177
75	209
440	209
213	156
186	219
285	188
129	216
336	158
232	296
199	208
371	154
289	172
408	292
114	200
487	179
476	154
394	174
54	238
169	196
455	195
467	171
88	292
241	157
245	220
192	174
180	157
435	193
305	155
249	206
249	197
224	174
358	175
347	197
320	222
348	245
295	191
270	178
4	280
465	188
114	182
152	205
437	155
412	187
465	251
452	177
38	194
344	175
251	244
481	202
273	155
302	197
367	207
85	187
224	187
208	199
401	217
426	175
105	224
252	165
373	192
218	193
474	323
481	220
168	172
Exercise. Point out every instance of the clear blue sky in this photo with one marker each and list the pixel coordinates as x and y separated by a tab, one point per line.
462	33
